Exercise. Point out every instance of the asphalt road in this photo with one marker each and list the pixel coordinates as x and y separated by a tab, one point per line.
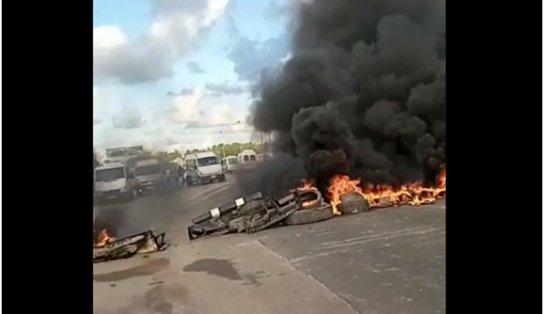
385	261
160	210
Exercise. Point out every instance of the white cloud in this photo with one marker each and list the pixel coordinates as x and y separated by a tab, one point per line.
216	8
127	118
224	114
202	110
108	36
207	142
187	107
176	26
102	102
159	29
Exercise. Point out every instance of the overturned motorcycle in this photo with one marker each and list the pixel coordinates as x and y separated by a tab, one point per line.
254	213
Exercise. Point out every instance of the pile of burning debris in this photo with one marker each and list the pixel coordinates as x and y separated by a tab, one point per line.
306	204
255	213
107	248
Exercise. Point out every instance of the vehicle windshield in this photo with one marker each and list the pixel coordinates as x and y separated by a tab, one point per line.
147	170
232	161
120	153
208	161
108	175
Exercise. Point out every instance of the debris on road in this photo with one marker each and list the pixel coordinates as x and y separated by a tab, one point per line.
108	248
306	204
255	213
155	283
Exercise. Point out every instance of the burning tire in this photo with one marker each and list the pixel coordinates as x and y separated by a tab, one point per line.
310	199
311	215
353	203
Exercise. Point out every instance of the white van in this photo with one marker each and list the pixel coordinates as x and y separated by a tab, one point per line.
229	164
203	168
114	181
247	159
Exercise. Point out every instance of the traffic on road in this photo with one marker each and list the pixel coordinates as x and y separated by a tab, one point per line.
124	179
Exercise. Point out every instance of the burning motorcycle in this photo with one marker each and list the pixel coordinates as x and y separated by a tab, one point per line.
255	212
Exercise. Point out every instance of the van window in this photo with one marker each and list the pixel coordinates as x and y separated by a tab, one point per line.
246	158
232	161
108	175
252	157
147	170
120	153
207	161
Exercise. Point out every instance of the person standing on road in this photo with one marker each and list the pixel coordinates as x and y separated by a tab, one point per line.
181	174
174	178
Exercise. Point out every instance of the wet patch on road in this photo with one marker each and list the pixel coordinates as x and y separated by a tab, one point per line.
226	269
160	300
157	298
218	267
253	279
150	267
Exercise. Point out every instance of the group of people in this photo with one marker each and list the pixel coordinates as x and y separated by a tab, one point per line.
176	174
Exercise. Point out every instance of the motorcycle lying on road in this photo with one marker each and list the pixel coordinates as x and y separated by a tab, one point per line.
255	212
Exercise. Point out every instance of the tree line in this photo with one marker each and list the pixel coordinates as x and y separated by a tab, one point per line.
232	148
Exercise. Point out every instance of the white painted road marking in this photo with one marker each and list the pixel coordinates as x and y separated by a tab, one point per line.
346	245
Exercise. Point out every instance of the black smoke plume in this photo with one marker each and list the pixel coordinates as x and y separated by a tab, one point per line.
111	220
364	91
273	176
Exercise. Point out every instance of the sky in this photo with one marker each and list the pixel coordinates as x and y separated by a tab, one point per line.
177	74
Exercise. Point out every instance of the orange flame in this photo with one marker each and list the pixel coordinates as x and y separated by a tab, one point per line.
104	238
441	180
306	185
383	195
340	185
